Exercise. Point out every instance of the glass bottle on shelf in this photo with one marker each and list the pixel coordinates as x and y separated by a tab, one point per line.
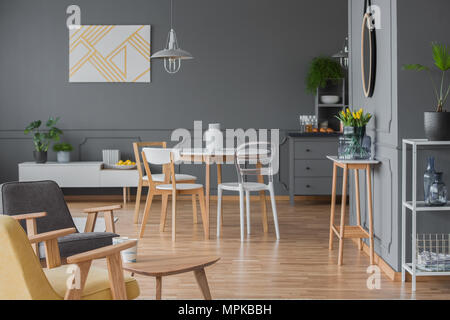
309	124
438	191
428	179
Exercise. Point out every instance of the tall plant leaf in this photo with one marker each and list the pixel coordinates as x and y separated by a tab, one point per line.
441	56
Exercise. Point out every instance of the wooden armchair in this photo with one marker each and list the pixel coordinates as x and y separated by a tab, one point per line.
22	277
31	196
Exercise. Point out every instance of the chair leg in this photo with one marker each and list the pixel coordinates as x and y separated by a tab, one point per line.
194	208
201	198
138	203
162	221
174	213
241	210
219	211
274	210
148	204
247	202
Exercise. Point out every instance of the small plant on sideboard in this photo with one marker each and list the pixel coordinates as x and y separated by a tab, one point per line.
63	152
43	137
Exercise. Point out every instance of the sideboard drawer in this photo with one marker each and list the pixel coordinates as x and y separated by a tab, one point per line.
314	168
316	186
314	149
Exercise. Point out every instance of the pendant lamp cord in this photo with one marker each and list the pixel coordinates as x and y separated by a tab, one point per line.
171	14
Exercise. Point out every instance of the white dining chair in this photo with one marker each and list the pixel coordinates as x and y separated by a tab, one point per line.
246	157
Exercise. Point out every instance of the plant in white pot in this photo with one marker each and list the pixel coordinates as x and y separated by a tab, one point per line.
436	123
63	152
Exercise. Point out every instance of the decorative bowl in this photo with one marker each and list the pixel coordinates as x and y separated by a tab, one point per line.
119	167
329	99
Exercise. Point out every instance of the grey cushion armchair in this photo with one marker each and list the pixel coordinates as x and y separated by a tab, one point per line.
21	198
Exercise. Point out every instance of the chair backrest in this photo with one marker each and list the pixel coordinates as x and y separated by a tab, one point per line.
254	158
137	153
21	275
37	196
159	156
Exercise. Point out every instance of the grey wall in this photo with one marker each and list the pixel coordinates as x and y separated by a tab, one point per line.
398	103
250	62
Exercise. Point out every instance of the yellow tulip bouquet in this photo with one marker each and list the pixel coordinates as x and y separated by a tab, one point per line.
354	119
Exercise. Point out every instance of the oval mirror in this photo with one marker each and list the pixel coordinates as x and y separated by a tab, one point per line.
368	55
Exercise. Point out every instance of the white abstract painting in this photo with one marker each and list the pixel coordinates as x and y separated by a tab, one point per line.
100	53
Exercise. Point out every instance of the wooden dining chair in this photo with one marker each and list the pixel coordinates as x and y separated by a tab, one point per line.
158	178
165	157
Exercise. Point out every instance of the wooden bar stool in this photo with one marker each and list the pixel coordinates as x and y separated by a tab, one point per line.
342	231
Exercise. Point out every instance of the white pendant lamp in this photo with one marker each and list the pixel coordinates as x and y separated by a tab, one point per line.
172	54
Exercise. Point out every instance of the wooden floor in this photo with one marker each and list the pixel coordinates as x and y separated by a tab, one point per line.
298	266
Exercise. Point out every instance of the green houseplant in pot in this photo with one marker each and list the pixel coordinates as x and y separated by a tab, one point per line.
63	152
437	123
354	144
43	137
321	71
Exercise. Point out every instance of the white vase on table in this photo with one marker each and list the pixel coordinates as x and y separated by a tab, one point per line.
213	138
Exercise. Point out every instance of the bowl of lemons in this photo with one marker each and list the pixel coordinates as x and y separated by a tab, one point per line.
123	165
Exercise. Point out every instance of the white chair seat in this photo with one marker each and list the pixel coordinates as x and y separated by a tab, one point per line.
178	177
180	186
248	186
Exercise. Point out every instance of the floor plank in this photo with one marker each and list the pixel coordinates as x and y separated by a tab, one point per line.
298	266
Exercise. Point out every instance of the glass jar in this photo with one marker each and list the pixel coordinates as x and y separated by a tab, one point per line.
438	191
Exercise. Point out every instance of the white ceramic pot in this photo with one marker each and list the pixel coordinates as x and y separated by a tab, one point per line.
63	156
129	255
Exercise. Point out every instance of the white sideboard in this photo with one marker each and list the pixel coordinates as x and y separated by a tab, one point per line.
82	174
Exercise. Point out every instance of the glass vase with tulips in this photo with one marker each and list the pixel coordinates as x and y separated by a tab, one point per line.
354	144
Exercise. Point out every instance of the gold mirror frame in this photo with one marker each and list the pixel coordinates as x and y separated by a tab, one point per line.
368	87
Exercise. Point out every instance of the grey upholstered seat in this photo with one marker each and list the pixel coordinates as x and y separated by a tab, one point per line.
37	196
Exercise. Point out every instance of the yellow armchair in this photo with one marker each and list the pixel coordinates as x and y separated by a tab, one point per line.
22	277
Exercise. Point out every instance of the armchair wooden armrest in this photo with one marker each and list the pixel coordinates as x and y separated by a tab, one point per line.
115	270
29	216
30	222
50	239
108	214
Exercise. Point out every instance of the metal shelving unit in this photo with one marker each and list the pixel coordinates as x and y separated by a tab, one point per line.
414	206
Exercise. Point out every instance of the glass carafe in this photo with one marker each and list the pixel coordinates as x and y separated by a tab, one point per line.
438	191
428	179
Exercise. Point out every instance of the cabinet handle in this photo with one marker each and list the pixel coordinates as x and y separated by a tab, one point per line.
308	168
308	186
308	150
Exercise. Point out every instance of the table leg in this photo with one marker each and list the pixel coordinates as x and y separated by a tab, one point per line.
343	209
124	195
358	206
129	194
219	181
333	206
369	205
207	194
202	281
158	288
262	197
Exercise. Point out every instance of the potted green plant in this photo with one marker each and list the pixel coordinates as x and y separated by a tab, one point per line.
63	152
43	138
321	70
436	123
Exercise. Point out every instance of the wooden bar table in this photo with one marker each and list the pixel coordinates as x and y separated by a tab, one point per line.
218	157
342	231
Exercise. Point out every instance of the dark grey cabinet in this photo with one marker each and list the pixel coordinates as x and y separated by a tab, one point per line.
310	172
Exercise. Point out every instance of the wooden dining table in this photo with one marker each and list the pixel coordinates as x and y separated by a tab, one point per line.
218	157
